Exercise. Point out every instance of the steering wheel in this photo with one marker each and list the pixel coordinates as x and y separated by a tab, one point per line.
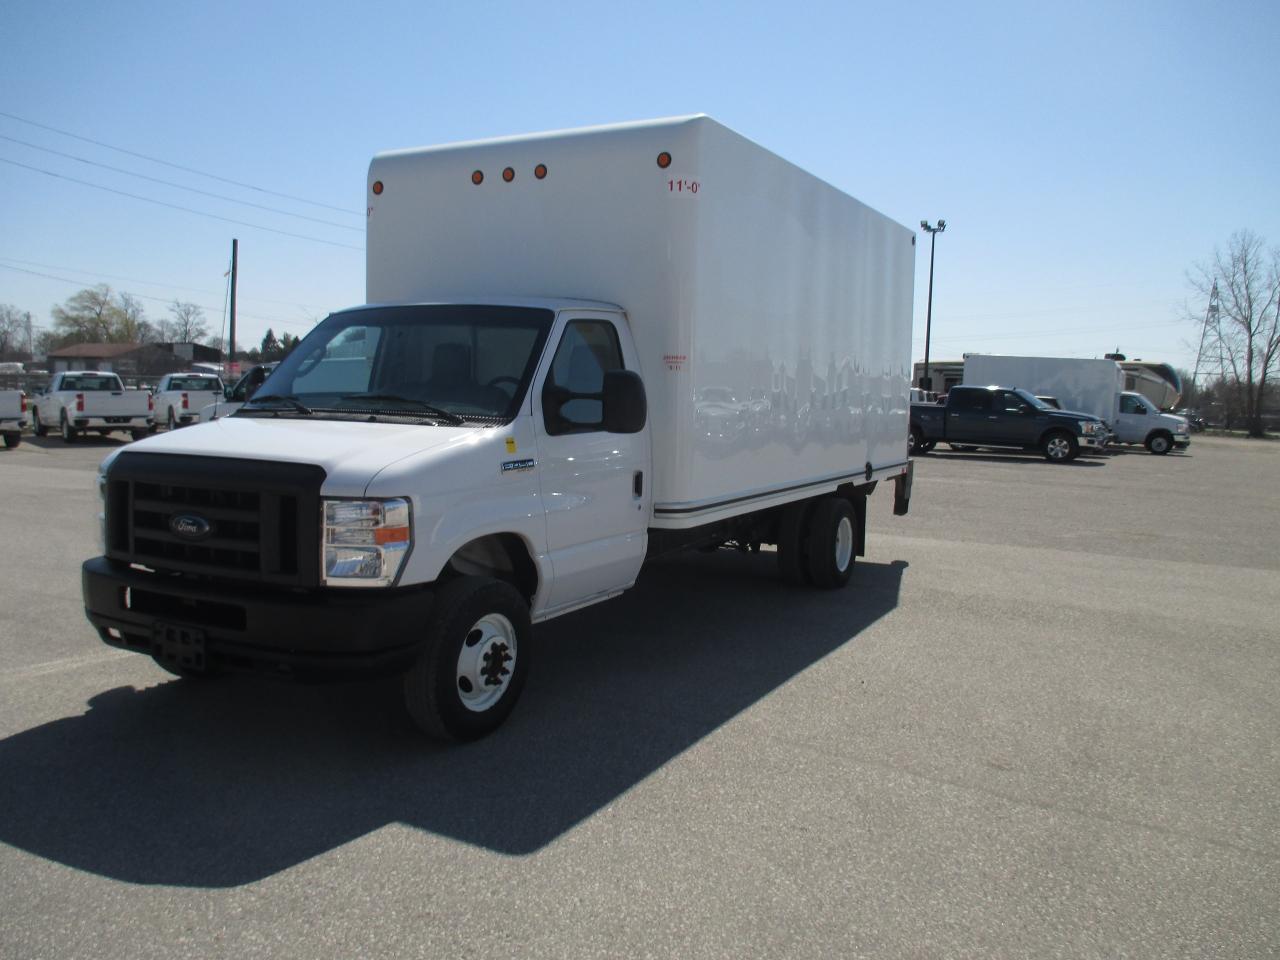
514	381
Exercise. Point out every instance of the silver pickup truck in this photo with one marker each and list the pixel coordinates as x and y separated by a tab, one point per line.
90	401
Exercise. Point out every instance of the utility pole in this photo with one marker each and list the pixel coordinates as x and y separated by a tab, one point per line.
235	249
1210	316
933	232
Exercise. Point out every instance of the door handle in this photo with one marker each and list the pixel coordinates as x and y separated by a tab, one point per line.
637	484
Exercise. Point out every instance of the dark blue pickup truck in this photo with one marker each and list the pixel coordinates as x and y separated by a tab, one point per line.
1004	417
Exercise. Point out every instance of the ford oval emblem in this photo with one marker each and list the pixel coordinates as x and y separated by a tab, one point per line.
190	527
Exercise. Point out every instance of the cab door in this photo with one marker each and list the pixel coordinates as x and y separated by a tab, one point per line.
596	488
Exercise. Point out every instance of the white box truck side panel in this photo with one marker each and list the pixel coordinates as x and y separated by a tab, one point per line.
802	326
772	313
1080	384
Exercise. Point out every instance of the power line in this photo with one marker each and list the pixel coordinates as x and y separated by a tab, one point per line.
1068	331
175	206
151	283
164	300
179	186
178	166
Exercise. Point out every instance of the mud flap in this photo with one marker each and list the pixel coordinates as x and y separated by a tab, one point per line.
902	490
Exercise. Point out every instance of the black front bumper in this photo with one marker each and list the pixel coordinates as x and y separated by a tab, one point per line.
302	633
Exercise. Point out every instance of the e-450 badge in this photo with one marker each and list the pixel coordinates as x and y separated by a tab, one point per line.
509	465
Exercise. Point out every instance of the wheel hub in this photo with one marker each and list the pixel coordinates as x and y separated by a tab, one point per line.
486	662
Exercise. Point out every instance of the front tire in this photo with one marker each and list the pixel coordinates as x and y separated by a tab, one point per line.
68	432
12	438
1060	447
473	665
1159	443
832	543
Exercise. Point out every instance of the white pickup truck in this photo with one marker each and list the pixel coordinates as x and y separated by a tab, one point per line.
90	401
179	397
426	476
13	416
233	398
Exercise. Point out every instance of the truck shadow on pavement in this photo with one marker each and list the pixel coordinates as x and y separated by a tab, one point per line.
228	781
1016	457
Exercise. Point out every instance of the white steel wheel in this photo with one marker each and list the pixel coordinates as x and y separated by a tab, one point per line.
473	661
844	543
486	663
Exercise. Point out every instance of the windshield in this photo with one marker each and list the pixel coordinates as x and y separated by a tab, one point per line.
440	363
1033	400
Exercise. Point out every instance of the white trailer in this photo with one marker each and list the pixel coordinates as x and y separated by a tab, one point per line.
1081	385
580	349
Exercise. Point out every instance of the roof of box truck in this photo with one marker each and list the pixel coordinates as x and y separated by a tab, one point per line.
546	134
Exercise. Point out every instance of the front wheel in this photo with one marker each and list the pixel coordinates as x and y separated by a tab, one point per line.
1160	443
12	438
1060	447
474	662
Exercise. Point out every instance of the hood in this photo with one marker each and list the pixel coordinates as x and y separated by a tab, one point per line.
352	453
1073	415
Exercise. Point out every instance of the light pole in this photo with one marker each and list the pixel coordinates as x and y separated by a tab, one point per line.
933	232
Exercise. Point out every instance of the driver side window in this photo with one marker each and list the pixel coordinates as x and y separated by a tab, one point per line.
573	396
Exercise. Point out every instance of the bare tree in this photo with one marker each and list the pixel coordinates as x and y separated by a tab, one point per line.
86	317
1244	330
187	324
13	329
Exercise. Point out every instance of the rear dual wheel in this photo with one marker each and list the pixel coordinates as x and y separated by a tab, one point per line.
817	542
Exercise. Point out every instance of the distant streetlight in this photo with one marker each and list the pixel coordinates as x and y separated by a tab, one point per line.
933	232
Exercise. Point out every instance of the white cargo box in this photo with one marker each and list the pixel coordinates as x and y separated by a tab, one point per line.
1079	384
772	312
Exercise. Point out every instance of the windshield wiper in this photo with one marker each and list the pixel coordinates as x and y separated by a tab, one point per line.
450	418
293	402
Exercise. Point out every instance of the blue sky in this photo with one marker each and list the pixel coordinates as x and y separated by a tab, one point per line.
1085	156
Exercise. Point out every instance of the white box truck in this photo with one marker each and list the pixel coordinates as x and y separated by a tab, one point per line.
580	349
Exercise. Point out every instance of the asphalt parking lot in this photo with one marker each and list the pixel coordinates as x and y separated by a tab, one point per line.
1043	723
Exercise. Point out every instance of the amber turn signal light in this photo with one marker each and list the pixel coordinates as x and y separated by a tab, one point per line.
664	159
508	174
377	188
540	171
477	177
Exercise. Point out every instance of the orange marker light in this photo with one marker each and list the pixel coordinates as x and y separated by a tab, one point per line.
477	178
508	174
664	159
384	535
377	188
540	171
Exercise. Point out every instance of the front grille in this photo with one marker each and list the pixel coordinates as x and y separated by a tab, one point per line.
210	516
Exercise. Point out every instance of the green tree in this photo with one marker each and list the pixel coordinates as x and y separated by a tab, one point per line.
270	347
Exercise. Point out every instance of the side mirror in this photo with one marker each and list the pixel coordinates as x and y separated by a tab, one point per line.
625	408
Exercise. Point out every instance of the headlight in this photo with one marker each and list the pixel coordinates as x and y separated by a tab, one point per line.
365	542
1088	426
1182	428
